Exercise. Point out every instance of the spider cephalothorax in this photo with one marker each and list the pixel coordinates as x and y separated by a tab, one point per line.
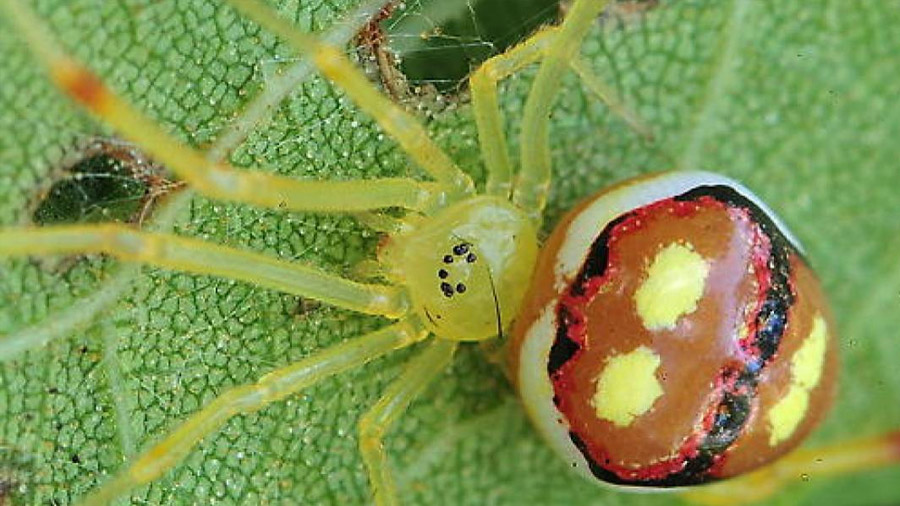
470	256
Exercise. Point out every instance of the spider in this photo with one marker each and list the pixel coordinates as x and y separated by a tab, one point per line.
454	253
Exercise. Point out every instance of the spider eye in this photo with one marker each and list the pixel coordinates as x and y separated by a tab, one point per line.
468	263
674	334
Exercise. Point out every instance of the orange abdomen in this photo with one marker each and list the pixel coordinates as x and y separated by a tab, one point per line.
673	335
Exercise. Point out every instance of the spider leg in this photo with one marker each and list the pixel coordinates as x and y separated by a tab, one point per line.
217	180
399	124
486	108
396	399
533	185
483	85
808	464
191	255
274	386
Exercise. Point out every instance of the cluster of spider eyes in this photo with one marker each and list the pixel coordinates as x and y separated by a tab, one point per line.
461	251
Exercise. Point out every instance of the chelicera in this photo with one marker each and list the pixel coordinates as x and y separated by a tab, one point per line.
456	266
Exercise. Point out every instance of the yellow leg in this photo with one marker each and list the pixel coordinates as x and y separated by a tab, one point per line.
811	464
272	387
217	180
400	125
375	423
483	85
199	257
533	184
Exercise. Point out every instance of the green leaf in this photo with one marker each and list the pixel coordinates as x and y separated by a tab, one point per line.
796	99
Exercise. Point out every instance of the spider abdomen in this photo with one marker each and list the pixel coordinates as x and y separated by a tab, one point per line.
673	335
467	267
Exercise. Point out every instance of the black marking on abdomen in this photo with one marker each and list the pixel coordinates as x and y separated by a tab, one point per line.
563	348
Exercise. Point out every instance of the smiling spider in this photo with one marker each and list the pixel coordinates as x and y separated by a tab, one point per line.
605	318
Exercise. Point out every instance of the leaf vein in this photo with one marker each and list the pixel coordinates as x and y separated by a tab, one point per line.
722	74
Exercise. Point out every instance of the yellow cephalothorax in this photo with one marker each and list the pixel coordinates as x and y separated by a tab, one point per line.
466	266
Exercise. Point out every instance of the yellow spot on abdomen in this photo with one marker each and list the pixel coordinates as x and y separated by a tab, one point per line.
674	283
806	370
627	387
